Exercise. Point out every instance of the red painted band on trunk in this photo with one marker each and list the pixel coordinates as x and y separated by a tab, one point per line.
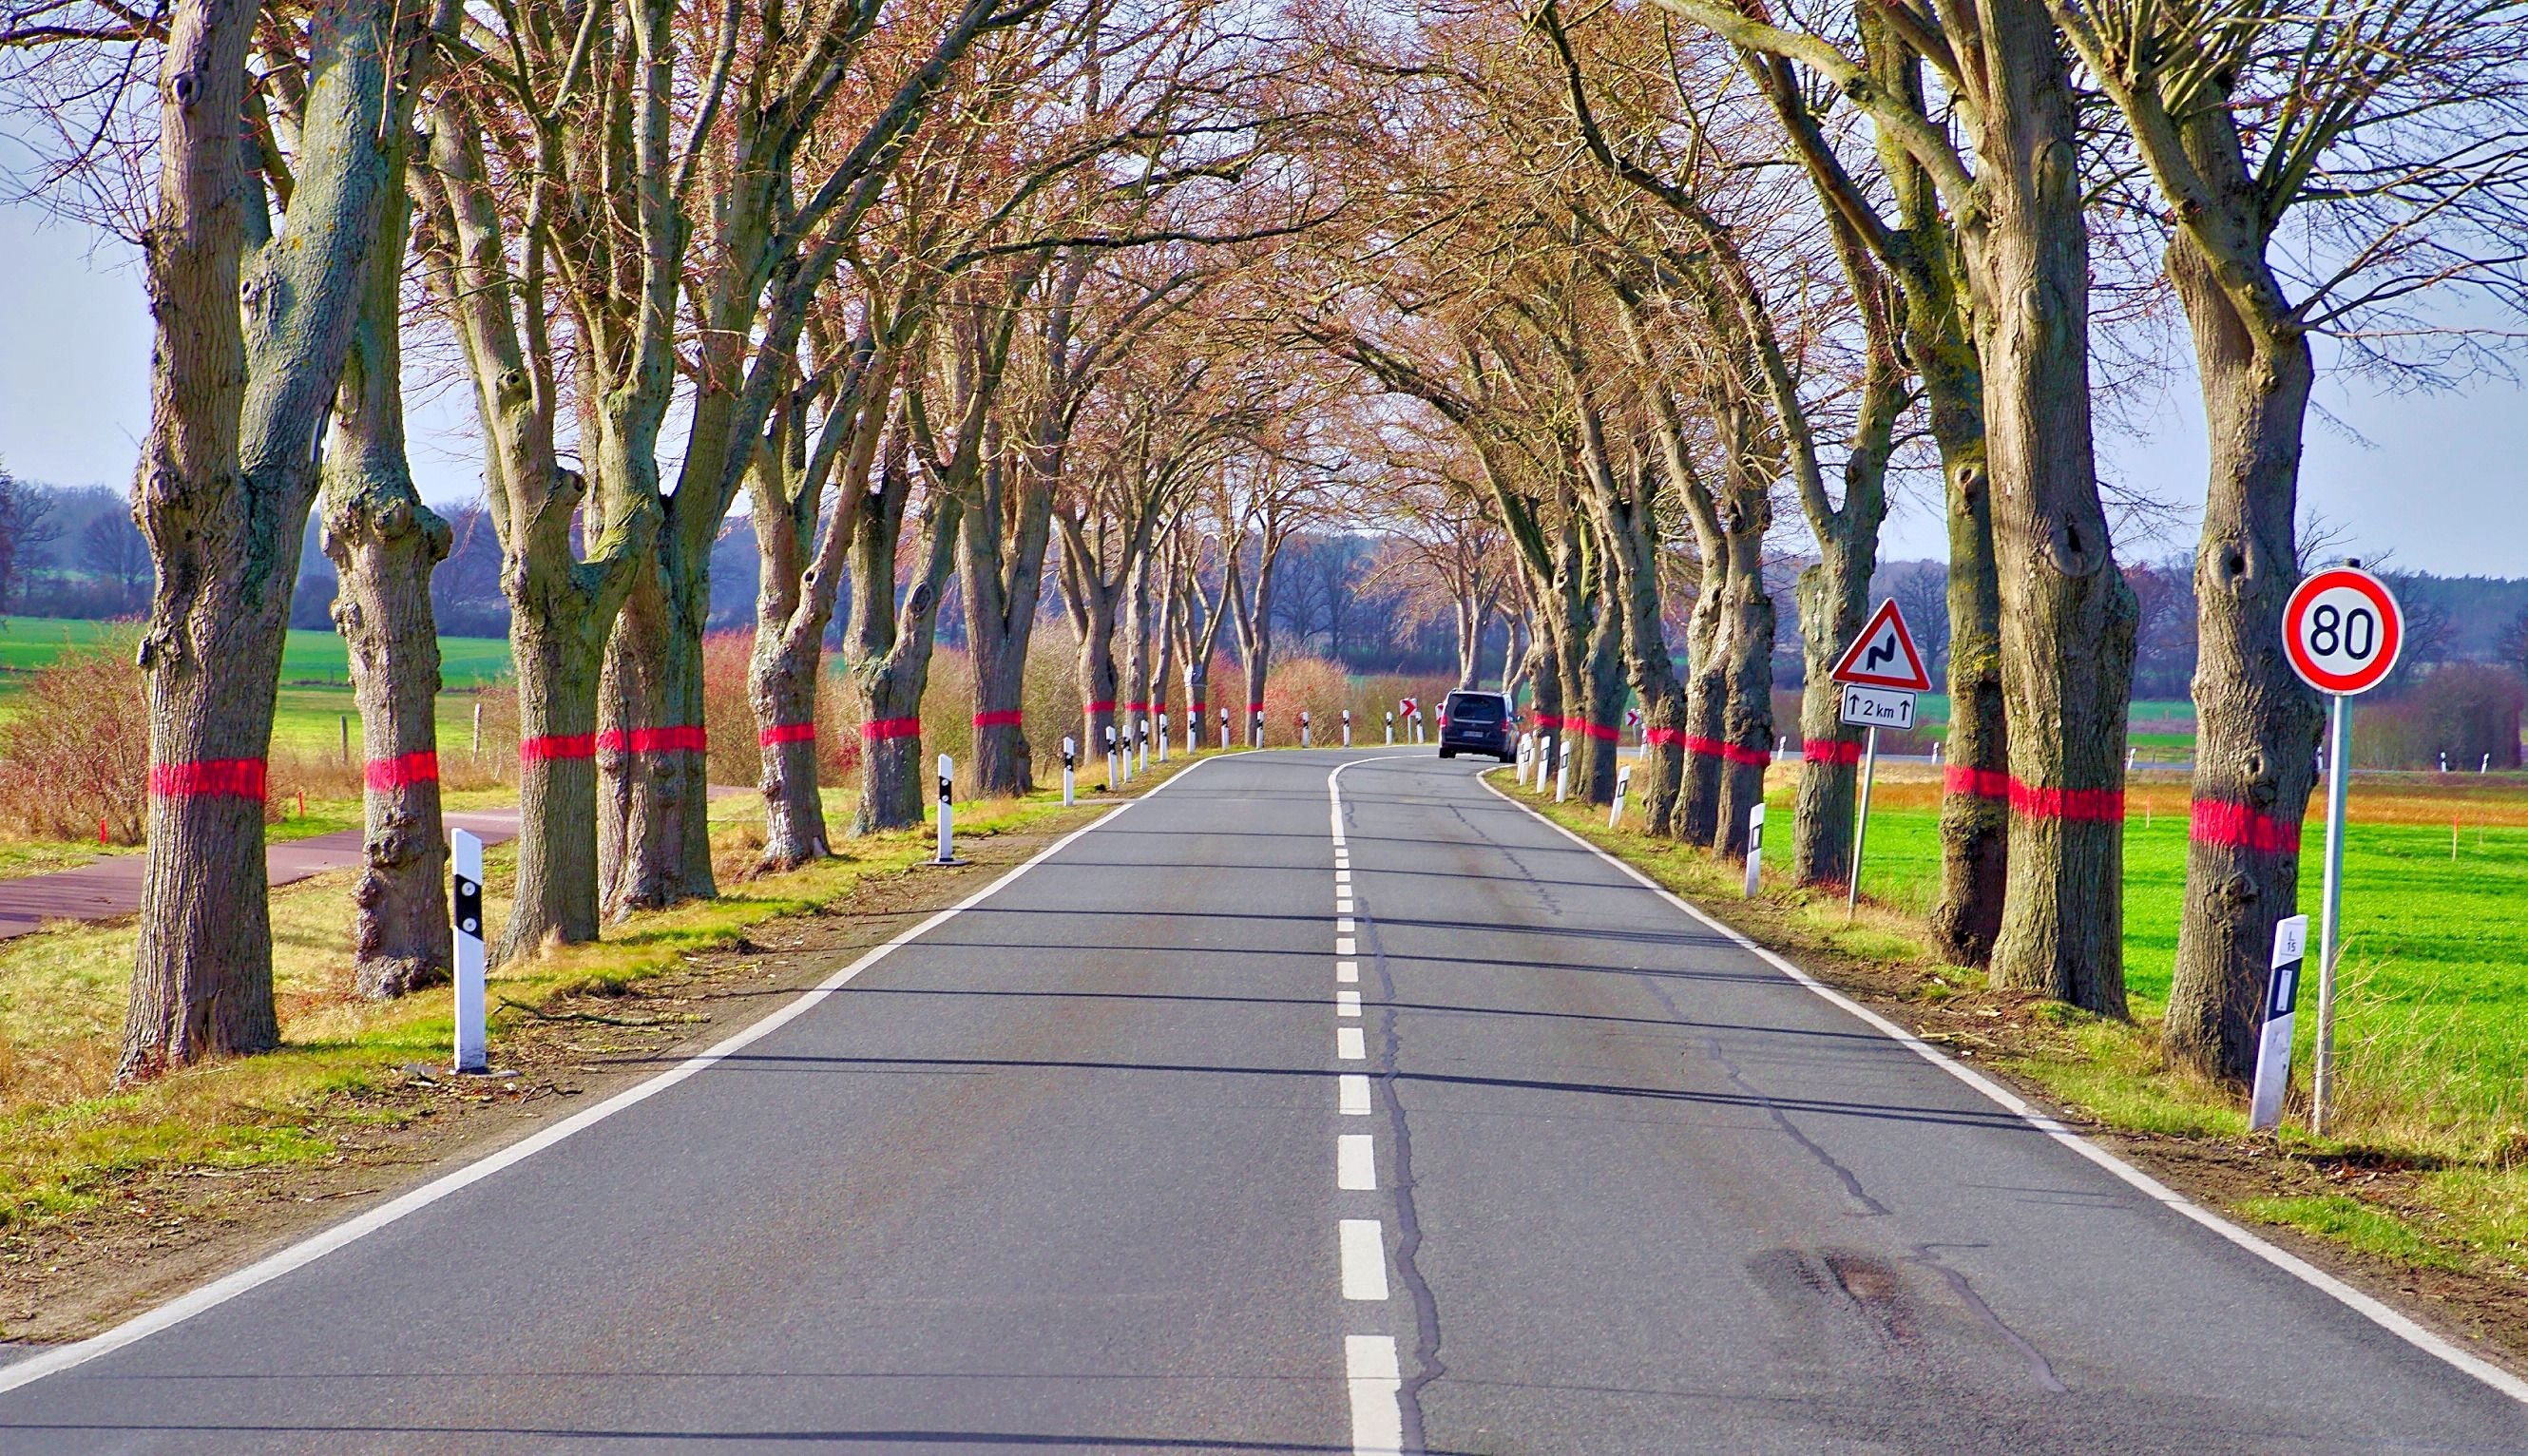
389	774
891	728
558	746
1829	750
2241	827
780	733
1664	738
1106	705
210	778
1981	783
1254	708
1598	731
2084	805
1008	717
1730	753
687	739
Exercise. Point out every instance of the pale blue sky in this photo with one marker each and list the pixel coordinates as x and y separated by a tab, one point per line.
2439	484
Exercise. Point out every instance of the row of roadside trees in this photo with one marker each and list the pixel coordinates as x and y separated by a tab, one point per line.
1583	308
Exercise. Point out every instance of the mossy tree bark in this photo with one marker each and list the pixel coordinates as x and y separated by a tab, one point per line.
251	335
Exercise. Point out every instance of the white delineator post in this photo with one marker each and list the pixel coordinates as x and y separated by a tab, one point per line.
1141	735
1391	730
1255	730
1070	752
1163	738
467	854
1755	846
1860	829
1526	755
1303	729
1544	759
947	834
2274	1043
1113	773
1624	781
1223	730
1417	725
1562	770
1347	731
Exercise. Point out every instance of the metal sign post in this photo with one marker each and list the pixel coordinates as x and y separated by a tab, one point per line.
1860	829
467	852
2341	631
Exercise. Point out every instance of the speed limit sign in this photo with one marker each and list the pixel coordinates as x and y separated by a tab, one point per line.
2343	629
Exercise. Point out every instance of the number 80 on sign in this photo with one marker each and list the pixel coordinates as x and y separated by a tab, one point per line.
2343	629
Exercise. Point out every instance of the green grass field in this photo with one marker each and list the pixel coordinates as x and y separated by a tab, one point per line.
311	656
2433	1010
315	675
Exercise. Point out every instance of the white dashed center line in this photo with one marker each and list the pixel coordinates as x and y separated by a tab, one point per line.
1364	1244
1351	1095
1342	876
1349	1045
1355	1163
1346	1003
1377	1416
1347	971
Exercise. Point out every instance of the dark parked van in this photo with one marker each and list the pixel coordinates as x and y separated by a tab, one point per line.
1479	723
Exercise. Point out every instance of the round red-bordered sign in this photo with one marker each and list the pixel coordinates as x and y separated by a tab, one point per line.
2343	629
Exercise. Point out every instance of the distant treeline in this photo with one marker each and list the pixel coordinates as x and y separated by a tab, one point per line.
74	553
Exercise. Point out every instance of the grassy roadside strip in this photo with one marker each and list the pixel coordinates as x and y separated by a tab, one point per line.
84	1161
2445	1221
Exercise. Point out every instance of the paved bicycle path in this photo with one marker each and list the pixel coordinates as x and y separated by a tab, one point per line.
111	885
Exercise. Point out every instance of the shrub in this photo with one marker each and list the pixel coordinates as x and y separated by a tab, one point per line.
75	749
728	717
2464	709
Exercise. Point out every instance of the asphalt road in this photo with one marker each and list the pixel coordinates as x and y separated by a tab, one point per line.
1111	1162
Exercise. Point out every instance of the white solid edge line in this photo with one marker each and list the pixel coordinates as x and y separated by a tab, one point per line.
2401	1325
1372	1374
1362	1243
307	1251
1352	1094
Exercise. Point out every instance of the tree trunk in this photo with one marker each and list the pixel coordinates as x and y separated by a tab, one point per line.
891	648
1834	602
652	762
384	543
223	489
556	657
1598	735
1633	533
2256	724
2067	619
782	687
1707	696
1745	747
1974	797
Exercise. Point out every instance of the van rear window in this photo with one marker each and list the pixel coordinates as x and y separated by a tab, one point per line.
1474	707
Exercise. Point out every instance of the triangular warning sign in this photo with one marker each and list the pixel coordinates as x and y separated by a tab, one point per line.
1883	655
